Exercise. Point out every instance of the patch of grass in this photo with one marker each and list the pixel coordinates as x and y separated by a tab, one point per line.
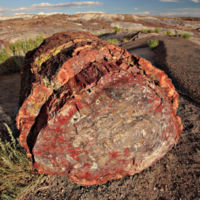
169	33
186	35
4	55
117	29
145	30
16	172
157	30
113	41
150	31
11	58
153	43
23	46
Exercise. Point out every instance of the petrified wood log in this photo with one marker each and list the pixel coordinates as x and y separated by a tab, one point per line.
92	111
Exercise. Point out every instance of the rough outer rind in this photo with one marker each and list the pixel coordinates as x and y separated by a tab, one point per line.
164	82
52	101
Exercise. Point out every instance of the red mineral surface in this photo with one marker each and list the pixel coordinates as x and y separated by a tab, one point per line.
92	111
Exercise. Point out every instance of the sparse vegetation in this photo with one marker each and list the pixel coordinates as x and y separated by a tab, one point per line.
153	43
11	58
4	55
114	41
145	30
186	35
16	172
150	31
157	30
117	29
21	47
169	33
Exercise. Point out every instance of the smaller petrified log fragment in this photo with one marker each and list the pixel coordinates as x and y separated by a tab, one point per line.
94	112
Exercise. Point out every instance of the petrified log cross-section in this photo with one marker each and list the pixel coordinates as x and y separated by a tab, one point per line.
92	111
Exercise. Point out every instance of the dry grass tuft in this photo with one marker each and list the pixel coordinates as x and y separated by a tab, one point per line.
16	172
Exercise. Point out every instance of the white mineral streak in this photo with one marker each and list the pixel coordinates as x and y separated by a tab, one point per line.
78	165
144	133
68	157
94	166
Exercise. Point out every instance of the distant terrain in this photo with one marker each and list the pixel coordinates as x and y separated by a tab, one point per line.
171	44
30	26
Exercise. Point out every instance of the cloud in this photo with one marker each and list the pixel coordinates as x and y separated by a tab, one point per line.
48	6
193	12
4	10
49	13
61	5
196	1
41	5
90	11
142	13
173	1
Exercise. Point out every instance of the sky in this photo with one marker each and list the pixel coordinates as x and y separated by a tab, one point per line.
138	7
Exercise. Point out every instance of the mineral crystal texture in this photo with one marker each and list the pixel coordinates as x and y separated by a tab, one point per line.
92	111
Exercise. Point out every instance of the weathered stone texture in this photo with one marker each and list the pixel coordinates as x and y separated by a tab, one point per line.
92	111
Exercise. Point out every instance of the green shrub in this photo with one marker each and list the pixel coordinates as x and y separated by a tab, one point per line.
117	29
145	30
157	30
16	172
11	58
153	43
114	41
4	55
186	35
169	32
23	46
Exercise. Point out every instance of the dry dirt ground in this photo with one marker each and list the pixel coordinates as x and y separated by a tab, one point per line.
175	177
26	27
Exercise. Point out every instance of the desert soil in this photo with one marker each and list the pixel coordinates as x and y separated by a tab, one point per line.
175	177
26	27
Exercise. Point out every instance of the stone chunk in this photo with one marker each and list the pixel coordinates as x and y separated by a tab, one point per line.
92	111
